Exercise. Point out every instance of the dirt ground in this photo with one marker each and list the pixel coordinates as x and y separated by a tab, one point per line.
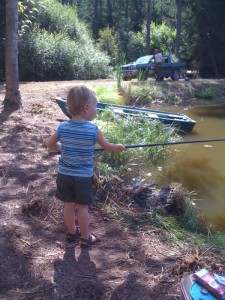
35	260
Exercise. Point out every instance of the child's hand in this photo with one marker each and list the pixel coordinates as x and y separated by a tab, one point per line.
120	148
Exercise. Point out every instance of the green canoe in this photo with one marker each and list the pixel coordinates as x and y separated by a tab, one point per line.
182	122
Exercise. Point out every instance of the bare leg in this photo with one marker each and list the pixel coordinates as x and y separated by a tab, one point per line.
69	216
87	239
83	220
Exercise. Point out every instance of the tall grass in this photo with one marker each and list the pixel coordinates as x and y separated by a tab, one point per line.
108	94
142	93
134	130
178	233
209	93
219	240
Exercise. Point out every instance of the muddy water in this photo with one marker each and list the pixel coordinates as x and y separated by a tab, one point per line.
201	167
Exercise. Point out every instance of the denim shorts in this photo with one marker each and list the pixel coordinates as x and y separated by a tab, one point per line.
74	189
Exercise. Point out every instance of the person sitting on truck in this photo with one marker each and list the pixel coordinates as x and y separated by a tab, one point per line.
158	64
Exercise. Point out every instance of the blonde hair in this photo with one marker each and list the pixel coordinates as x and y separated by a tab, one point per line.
77	98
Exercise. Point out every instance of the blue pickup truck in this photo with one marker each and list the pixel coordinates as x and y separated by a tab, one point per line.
144	67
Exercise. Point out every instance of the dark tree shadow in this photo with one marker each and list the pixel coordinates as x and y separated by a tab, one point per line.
15	271
6	112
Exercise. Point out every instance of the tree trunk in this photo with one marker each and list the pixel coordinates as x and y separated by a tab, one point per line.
148	27
213	62
109	13
179	10
12	97
95	23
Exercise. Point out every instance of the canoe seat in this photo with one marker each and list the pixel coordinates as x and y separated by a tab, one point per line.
118	110
151	115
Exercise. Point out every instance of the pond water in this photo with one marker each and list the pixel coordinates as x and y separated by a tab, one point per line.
200	166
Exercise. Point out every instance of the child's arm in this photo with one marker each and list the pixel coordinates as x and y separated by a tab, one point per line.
108	146
53	143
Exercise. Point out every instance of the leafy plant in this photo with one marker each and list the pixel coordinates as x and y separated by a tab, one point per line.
218	239
120	59
59	46
209	93
142	93
136	45
134	130
107	43
162	36
108	94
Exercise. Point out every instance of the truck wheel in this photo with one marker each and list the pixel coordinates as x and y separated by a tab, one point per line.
176	75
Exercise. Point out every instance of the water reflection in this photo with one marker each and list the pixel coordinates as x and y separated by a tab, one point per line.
211	111
198	174
202	167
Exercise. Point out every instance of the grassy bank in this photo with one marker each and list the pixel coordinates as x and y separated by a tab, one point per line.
182	93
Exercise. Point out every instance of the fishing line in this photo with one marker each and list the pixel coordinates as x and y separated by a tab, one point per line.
168	144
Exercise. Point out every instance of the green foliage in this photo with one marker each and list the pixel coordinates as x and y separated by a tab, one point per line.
59	47
218	239
108	95
107	43
162	37
120	60
134	130
123	28
202	43
177	232
56	18
203	37
136	45
191	219
50	56
142	93
209	93
26	15
189	216
205	92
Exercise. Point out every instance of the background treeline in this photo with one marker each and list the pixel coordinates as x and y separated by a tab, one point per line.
86	39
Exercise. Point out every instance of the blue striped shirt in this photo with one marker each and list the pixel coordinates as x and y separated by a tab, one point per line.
77	148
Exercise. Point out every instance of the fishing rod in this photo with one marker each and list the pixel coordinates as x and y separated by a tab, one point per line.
168	144
158	144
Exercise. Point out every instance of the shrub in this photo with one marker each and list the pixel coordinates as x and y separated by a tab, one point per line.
59	47
56	18
107	43
162	37
43	55
136	46
209	93
141	93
